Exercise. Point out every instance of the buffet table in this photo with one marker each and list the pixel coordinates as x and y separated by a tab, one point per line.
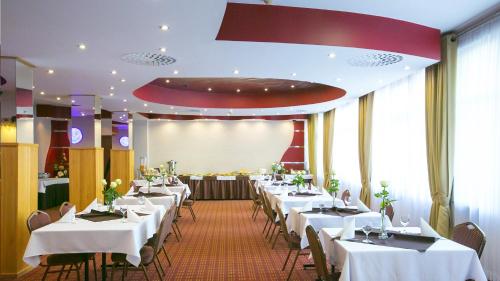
219	187
52	192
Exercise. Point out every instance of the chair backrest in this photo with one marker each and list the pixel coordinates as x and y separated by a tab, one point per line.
164	229
283	227
345	195
389	211
470	235
251	190
65	207
269	209
36	220
264	201
183	194
196	190
317	253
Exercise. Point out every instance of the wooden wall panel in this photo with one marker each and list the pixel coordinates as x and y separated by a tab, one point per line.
18	198
85	175
122	167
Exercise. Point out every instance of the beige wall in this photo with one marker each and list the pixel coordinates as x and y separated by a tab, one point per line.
218	146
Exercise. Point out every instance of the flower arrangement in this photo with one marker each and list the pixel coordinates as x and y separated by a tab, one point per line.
386	201
150	176
278	168
60	168
298	180
333	184
110	193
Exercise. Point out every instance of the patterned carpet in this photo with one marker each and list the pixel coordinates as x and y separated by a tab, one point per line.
224	244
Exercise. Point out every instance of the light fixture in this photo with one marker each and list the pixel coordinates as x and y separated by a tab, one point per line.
238	90
42	93
125	109
338	79
123	80
111	94
236	72
167	81
407	67
112	88
58	98
253	114
113	72
163	27
171	107
83	114
176	113
292	86
227	114
124	100
163	49
72	101
266	89
230	110
332	55
50	71
82	46
145	105
205	110
209	89
176	72
294	74
150	111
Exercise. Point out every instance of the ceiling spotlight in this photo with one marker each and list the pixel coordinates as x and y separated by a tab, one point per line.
294	74
150	111
50	71
163	27
407	67
111	94
292	86
167	81
209	89
72	101
176	72
113	72
205	110
230	110
124	100
253	114
227	114
58	98
82	46
266	89
145	105
171	107
338	79
332	55
238	90
123	80
176	113
112	88
83	114
236	71
163	49
42	93
201	114
125	109
32	87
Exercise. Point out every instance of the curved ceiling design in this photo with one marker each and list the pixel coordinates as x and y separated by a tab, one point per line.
236	92
282	24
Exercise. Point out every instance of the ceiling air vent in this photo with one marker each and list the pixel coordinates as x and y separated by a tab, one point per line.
148	58
373	60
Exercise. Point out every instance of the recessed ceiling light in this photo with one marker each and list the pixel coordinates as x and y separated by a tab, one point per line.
72	101
266	89
124	100
125	109
145	105
112	88
176	113
236	71
42	93
150	111
294	74
167	81
209	89
176	72
111	94
201	114
292	86
50	71
238	90
205	110
163	49
123	80
339	79
163	27
32	87
58	98
407	67
253	114
227	114
332	55
230	110
113	72
171	107
82	46
83	114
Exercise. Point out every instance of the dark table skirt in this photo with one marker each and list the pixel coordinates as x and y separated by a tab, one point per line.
54	195
212	189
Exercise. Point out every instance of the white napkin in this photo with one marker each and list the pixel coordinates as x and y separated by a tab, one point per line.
168	192
148	206
362	207
349	227
307	207
132	216
91	206
337	203
69	216
427	230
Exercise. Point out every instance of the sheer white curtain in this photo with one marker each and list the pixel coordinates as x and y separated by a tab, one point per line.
345	148
477	137
399	147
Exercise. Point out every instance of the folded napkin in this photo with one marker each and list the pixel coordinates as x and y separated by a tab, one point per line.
337	203
362	207
349	228
168	192
69	216
307	207
148	206
132	216
91	206
427	230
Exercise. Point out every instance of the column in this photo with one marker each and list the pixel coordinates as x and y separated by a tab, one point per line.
122	154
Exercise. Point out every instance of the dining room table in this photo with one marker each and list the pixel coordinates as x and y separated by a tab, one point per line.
157	188
406	255
94	231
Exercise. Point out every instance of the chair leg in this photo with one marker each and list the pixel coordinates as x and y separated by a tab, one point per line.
166	254
61	272
77	271
95	268
272	233
293	265
67	273
276	239
256	213
265	226
176	236
178	229
145	272
161	267
45	273
157	270
124	271
286	261
270	226
112	272
192	213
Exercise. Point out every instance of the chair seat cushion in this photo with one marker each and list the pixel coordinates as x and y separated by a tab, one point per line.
62	259
147	255
188	202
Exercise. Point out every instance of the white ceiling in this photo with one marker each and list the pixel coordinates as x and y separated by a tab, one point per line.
47	33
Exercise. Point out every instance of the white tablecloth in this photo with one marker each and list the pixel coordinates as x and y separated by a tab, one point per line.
165	201
444	260
226	178
298	222
287	202
85	236
162	200
43	183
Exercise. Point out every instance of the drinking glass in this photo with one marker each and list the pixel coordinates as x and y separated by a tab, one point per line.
367	229
321	206
141	200
404	220
123	210
294	192
348	201
99	203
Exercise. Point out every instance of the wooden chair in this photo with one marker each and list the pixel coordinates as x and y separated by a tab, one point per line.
318	255
272	218
38	219
389	211
470	235
189	203
293	242
149	254
346	194
257	203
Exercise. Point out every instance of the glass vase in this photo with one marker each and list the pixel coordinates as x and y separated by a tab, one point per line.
149	187
110	206
383	232
334	194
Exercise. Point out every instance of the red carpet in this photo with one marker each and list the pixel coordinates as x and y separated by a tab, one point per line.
224	244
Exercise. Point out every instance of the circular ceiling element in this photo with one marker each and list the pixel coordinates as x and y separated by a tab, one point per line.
148	58
374	60
236	92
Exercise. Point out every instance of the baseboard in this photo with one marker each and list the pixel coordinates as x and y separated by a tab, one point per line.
10	276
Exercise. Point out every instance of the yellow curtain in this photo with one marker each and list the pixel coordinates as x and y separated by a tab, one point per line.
365	145
311	128
328	128
439	110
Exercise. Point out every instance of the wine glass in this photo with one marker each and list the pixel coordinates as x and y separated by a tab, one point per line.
367	229
141	200
348	200
123	210
294	192
321	206
404	220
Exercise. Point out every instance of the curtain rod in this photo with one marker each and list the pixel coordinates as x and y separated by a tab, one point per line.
478	21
